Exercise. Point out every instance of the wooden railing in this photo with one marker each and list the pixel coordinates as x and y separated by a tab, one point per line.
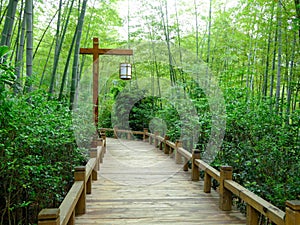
255	205
75	201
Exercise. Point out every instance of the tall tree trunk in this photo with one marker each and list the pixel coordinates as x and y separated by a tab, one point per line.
266	74
67	63
65	74
76	55
197	30
181	72
209	32
289	83
273	68
165	21
56	51
279	24
9	23
29	43
296	100
59	41
20	51
297	6
43	35
46	64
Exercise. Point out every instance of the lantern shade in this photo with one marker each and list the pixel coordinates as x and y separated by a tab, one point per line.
125	71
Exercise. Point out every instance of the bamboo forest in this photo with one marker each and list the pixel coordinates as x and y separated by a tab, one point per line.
219	77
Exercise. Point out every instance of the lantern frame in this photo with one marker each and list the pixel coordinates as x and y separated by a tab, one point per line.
125	71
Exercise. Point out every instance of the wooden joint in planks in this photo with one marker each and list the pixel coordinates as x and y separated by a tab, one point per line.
49	217
225	203
79	175
195	169
292	210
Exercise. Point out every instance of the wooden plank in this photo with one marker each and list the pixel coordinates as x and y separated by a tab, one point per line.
273	213
139	184
68	205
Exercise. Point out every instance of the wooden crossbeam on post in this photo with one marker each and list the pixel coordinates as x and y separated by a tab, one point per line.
96	51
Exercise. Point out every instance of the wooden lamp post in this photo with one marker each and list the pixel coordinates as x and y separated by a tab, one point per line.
125	69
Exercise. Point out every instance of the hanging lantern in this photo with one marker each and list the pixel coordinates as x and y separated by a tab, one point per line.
125	71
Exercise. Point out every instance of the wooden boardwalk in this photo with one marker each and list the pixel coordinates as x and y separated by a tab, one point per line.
138	184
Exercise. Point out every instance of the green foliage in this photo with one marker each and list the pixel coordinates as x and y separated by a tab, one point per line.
7	76
263	150
37	154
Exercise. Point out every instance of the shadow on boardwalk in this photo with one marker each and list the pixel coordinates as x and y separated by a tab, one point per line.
138	184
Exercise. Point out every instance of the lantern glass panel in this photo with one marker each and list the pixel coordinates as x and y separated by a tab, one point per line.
125	71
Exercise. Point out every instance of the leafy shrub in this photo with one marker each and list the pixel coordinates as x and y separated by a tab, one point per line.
262	149
37	155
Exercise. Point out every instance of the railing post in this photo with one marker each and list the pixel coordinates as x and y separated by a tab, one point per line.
79	175
94	154
94	176
207	183
116	132
225	195
195	169
292	216
178	157
167	147
72	219
150	139
89	185
128	136
145	134
252	215
49	217
103	137
155	139
186	165
160	145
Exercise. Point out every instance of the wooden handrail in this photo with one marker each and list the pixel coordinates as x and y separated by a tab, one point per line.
208	169
67	207
255	204
74	202
259	204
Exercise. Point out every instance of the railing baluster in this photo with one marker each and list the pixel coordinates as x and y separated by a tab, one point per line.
252	216
155	139
207	183
167	147
178	157
49	217
225	195
292	212
195	169
79	175
145	139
